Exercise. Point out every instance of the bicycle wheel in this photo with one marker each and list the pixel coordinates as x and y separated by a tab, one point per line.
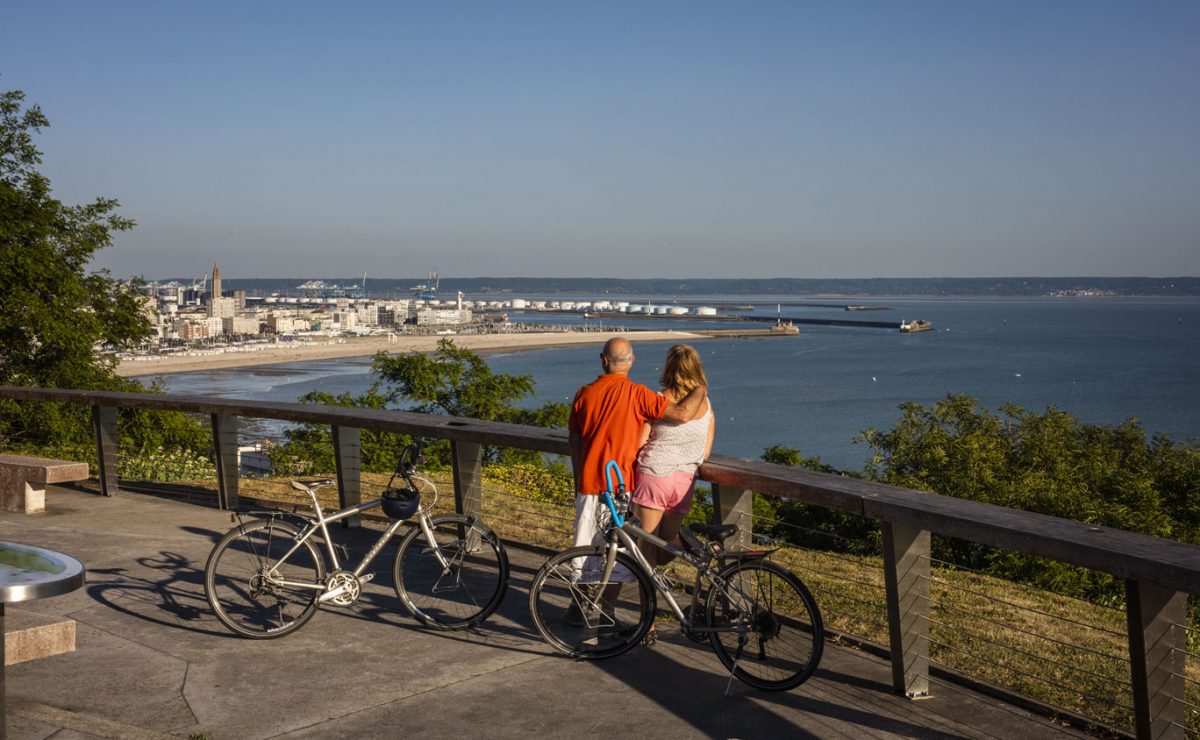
773	631
585	617
251	591
467	589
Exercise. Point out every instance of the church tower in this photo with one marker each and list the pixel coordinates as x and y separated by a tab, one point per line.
216	283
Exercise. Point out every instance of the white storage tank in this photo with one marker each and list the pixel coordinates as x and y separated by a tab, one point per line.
520	303
678	311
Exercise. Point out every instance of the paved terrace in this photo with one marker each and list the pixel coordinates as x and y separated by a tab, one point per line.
152	662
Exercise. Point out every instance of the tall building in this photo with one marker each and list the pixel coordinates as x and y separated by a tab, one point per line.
216	283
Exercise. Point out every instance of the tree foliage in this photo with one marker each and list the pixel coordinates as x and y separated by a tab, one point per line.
61	324
453	380
53	311
812	526
456	381
1050	463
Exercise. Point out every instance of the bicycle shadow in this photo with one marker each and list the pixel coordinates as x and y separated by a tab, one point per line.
176	599
509	628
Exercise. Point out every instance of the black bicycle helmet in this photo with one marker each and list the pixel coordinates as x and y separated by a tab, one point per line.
401	503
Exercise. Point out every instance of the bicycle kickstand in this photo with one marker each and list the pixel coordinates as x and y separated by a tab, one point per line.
736	658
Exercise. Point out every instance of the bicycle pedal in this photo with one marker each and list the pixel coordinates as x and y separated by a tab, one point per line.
650	639
366	578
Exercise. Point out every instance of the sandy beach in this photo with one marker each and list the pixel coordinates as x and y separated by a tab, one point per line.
357	347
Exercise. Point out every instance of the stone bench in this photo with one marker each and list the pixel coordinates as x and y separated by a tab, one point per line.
29	636
23	480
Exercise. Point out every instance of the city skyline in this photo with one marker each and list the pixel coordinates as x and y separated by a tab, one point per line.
688	140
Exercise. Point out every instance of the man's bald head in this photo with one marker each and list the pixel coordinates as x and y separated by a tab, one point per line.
617	355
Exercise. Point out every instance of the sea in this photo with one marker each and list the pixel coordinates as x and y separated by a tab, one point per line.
1103	359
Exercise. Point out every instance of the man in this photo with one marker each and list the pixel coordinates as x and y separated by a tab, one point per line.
606	424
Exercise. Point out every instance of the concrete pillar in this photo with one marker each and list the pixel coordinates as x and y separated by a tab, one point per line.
906	576
225	447
1156	616
734	506
104	429
347	454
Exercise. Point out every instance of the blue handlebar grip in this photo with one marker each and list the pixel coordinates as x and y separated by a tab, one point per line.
612	465
608	495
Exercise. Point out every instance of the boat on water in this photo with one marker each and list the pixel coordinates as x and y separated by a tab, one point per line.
910	327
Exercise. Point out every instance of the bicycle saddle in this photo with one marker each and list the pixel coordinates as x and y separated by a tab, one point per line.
714	532
305	485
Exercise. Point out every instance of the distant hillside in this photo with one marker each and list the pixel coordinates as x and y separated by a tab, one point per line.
1003	286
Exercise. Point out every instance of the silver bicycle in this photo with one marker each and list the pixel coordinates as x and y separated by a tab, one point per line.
267	577
598	602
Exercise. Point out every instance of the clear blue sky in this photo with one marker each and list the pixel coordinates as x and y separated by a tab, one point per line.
667	139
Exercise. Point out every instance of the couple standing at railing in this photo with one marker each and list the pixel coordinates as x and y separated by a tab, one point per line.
658	439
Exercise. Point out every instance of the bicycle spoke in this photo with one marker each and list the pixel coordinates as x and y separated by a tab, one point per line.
772	636
463	591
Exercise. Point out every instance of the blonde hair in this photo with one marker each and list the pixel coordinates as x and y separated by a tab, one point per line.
682	371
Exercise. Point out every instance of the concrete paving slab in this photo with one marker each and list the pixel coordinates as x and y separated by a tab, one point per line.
152	661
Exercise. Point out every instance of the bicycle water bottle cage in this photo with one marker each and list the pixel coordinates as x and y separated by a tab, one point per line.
401	503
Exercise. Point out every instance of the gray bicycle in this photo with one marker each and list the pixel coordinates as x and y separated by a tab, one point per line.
599	602
266	577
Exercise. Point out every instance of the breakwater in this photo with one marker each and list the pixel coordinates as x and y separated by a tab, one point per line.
827	322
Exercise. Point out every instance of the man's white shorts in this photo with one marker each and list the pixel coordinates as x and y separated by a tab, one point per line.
587	532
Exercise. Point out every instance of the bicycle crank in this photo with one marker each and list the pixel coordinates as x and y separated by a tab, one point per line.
343	588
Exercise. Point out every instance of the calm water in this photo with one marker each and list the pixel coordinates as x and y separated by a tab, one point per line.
1105	360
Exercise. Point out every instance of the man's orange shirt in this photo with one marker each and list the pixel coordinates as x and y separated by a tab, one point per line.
608	414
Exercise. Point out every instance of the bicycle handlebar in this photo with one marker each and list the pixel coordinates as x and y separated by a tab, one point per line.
618	519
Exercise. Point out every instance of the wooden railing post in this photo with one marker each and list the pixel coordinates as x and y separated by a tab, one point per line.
1156	616
467	459
225	449
104	429
347	455
734	506
906	576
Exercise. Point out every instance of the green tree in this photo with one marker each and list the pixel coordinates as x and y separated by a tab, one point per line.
1050	463
453	380
309	448
53	311
456	381
812	526
61	324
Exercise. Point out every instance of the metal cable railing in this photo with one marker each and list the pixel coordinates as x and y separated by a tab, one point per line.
1013	648
846	585
1093	697
1013	605
1029	633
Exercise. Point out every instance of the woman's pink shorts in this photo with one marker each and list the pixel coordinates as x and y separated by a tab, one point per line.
666	493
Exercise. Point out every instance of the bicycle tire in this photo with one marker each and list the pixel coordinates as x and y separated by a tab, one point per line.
784	630
597	630
463	595
239	595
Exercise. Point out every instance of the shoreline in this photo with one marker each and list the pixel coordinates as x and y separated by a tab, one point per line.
360	347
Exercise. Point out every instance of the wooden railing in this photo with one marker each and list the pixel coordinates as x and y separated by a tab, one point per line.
1159	574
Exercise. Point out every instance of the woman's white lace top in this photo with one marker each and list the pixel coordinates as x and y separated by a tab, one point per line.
674	447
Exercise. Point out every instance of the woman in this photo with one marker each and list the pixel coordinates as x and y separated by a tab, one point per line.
670	455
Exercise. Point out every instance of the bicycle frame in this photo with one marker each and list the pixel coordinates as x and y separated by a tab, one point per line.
322	524
622	533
